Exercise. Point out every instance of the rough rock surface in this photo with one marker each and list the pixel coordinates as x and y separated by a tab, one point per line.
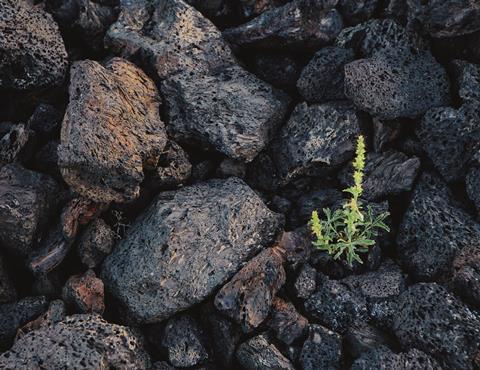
362	337
13	143
356	11
78	342
433	230
383	358
85	293
467	81
103	147
150	270
174	167
45	121
321	350
432	320
56	312
394	84
306	282
231	111
466	279
298	24
259	354
323	77
184	342
247	298
95	243
287	324
386	174
33	53
27	200
230	167
169	36
7	289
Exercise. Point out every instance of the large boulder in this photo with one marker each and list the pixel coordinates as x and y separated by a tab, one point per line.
32	51
78	342
232	111
214	226
111	130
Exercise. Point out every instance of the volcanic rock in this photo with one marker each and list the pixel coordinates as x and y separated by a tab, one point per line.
56	312
174	167
467	81
45	121
321	350
383	358
226	337
95	243
356	11
466	278
362	337
287	324
278	69
103	147
85	293
385	132
230	167
472	182
306	282
13	143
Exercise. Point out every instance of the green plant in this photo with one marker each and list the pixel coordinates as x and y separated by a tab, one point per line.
349	230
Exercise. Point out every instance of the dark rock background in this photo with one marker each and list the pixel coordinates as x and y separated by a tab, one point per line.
160	159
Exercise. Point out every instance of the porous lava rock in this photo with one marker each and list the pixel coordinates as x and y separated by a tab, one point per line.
299	24
111	130
306	282
78	342
32	49
95	243
150	271
27	200
85	293
247	298
432	320
466	278
321	350
433	230
174	167
232	111
467	81
383	358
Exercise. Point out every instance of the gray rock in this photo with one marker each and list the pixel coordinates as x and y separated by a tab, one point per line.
466	278
323	77
287	324
230	167
78	342
306	282
467	81
299	24
184	342
433	230
383	358
150	270
444	18
356	11
386	174
321	350
46	159
27	201
432	320
174	167
13	143
247	298
103	149
95	243
7	289
33	53
472	182
394	84
232	111
168	36
259	354
84	293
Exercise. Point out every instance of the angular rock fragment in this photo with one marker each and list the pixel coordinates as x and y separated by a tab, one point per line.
444	18
467	81
321	350
226	337
174	167
297	247
450	137
168	36
13	143
32	50
184	342
85	293
27	200
361	338
323	77
111	130
306	282
15	315
150	270
247	298
433	230
299	24
79	341
394	84
356	11
95	243
259	354
432	320
7	289
232	111
251	8
287	324
386	174
383	358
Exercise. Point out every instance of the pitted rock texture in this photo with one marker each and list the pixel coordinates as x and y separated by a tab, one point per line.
85	293
323	77
433	230
298	24
259	354
394	84
169	36
174	167
247	298
444	18
226	337
321	350
95	243
27	201
232	111
150	270
78	342
466	279
467	81
383	358
432	320
386	174
33	55
111	130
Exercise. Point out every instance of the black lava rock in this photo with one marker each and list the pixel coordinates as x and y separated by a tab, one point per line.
467	81
321	350
383	358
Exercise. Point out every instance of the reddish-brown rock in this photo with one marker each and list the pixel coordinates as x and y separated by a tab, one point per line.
85	293
287	324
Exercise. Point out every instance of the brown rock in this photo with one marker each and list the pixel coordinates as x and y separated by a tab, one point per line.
287	324
111	130
95	243
248	296
85	293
